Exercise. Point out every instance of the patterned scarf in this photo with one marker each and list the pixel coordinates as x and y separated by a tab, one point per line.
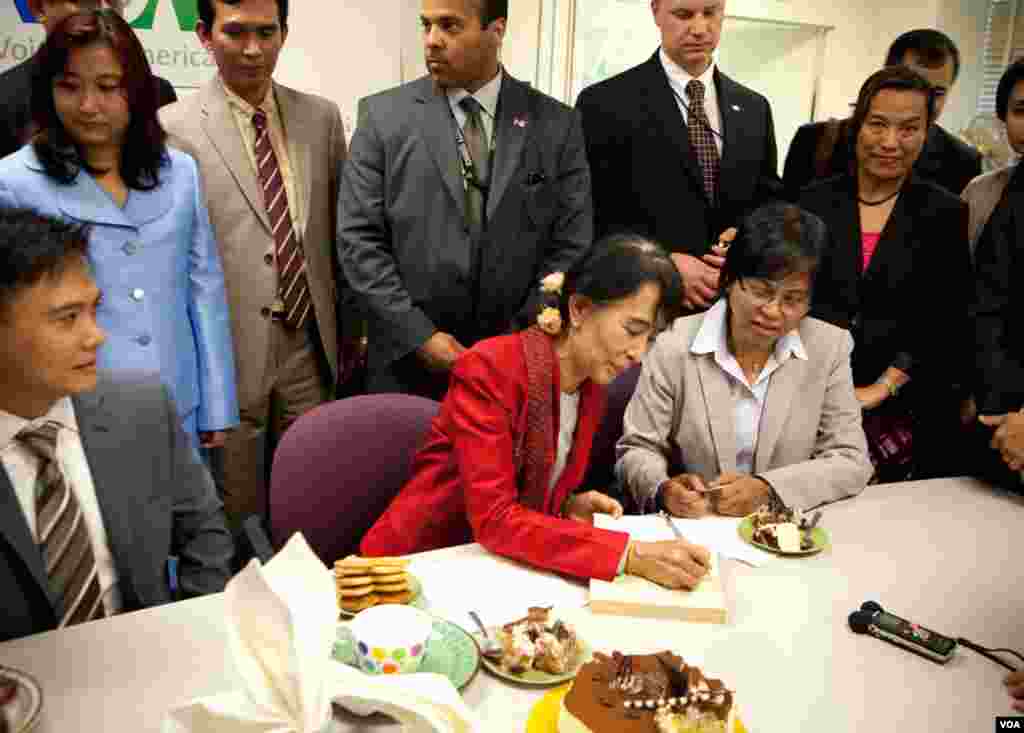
534	452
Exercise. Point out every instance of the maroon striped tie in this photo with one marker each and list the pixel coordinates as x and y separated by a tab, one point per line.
63	538
291	265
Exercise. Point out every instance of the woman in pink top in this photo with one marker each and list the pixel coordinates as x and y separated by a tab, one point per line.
897	274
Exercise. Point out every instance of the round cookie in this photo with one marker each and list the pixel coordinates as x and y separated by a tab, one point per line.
352	605
354	581
391	577
358	592
400	597
391	587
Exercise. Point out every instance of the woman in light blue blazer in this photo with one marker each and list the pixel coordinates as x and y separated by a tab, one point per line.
99	157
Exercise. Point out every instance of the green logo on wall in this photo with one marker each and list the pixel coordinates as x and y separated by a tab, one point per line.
185	10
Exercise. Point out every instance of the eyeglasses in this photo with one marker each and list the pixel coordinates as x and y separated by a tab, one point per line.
763	293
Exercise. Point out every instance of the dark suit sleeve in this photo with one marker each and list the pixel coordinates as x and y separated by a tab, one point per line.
769	185
799	167
164	92
1000	375
607	151
573	230
365	247
199	534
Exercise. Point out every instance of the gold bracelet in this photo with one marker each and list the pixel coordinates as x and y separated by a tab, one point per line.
629	557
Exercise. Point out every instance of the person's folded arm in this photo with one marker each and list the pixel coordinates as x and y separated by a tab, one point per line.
199	533
643	452
365	247
839	465
999	378
479	399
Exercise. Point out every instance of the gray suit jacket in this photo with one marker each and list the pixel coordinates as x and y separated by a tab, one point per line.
982	195
402	234
811	446
203	126
155	497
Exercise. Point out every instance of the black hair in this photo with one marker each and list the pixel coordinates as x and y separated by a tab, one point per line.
144	150
1014	73
901	78
491	10
773	242
207	14
932	47
34	246
616	267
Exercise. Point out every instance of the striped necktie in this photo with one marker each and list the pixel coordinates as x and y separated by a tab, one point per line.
702	139
62	535
291	264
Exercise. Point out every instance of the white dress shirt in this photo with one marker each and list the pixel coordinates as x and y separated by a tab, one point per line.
22	466
487	96
748	399
678	78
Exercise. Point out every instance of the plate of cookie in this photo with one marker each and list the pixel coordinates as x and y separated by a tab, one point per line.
540	650
21	701
363	582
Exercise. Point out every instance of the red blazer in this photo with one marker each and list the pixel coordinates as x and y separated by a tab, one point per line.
464	488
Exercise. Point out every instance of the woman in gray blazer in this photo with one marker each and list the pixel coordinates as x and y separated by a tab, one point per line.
751	396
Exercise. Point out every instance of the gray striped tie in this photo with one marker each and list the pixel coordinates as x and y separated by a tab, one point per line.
62	536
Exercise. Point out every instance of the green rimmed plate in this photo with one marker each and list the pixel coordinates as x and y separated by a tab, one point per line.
535	677
819	538
450	651
418	601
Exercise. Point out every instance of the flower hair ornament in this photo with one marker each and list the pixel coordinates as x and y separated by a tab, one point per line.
550	318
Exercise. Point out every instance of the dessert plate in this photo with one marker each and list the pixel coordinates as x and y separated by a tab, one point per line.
819	539
535	677
418	601
451	651
23	710
544	715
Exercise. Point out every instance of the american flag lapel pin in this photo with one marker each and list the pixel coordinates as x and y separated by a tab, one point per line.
519	121
735	108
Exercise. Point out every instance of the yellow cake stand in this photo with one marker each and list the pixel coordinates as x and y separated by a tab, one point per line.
544	715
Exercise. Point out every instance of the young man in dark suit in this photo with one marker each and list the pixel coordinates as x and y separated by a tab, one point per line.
16	82
678	150
462	190
99	484
945	160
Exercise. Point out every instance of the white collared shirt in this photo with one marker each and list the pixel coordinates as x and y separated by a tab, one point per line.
287	157
487	96
678	78
748	399
22	466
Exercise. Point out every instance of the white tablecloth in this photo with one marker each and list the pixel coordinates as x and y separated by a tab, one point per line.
946	554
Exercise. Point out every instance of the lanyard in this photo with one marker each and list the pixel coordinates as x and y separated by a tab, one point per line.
703	120
469	177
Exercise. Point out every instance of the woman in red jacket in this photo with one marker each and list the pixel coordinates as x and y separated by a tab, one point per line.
504	458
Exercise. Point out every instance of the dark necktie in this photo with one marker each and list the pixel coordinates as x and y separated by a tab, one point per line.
291	265
62	536
702	139
480	154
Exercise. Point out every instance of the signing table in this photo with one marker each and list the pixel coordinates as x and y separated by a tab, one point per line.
946	554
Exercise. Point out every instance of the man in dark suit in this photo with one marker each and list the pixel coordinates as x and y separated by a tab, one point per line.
98	482
16	82
822	150
462	190
678	150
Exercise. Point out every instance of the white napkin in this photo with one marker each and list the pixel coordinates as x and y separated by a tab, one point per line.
282	621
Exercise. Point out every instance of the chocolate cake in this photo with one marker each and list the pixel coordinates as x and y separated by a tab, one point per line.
649	693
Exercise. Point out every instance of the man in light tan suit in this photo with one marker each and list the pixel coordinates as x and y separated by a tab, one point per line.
750	397
270	158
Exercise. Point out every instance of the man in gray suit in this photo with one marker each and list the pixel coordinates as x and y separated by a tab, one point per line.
98	482
462	190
